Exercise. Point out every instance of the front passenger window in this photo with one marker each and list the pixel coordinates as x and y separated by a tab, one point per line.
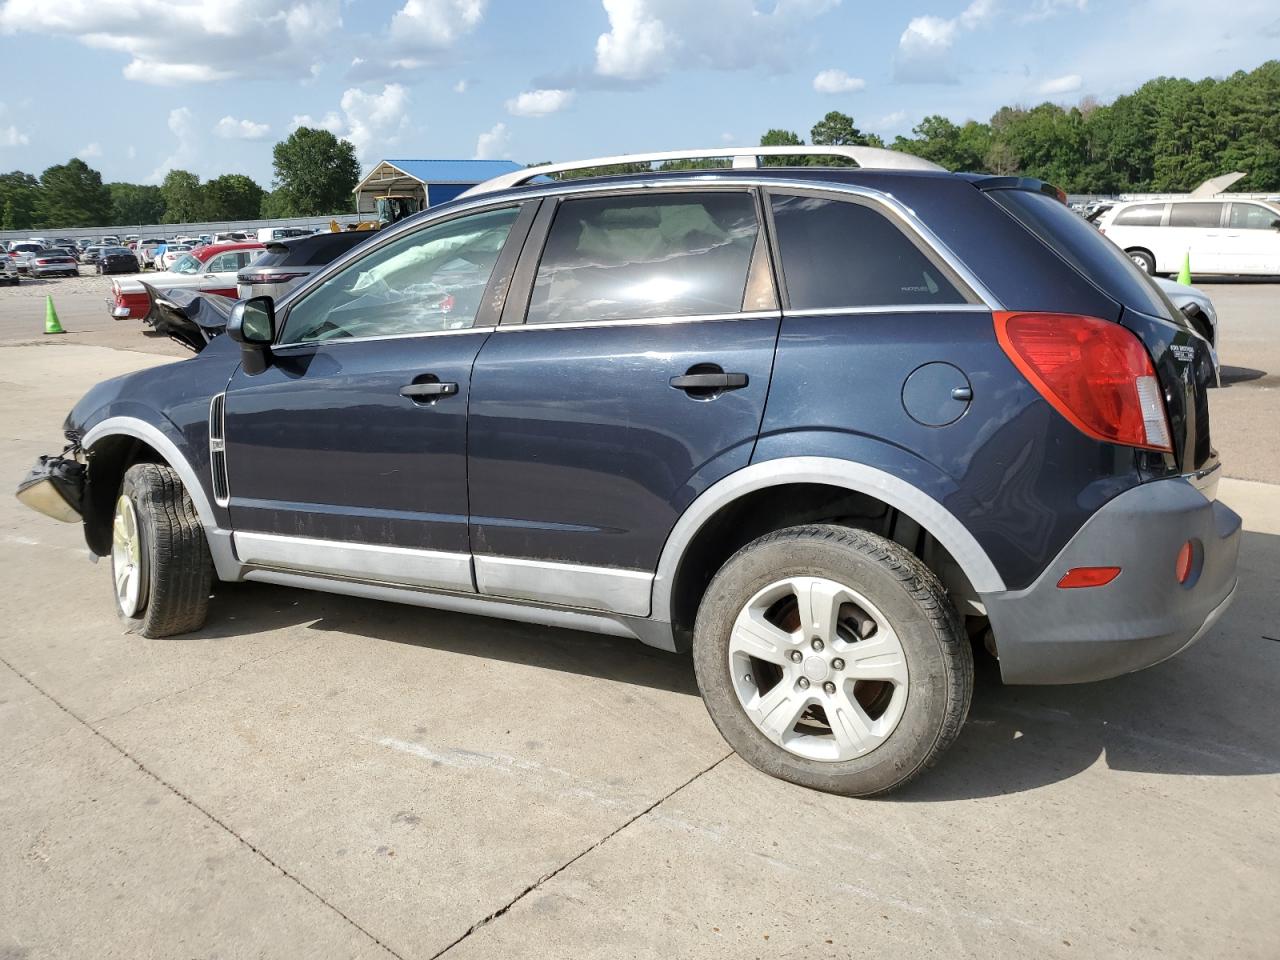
430	280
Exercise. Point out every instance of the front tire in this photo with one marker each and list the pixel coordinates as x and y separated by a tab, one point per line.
160	563
832	658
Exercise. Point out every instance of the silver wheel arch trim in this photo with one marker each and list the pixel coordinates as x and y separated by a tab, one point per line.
220	547
896	492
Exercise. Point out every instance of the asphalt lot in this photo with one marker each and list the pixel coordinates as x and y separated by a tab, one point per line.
322	776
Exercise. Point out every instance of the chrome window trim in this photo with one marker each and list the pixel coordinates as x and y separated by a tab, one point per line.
286	349
892	308
644	321
622	185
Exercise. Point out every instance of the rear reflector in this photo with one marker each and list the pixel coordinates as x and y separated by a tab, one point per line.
1183	566
1096	374
1078	577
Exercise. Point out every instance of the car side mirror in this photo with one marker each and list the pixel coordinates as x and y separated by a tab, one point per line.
1275	224
252	324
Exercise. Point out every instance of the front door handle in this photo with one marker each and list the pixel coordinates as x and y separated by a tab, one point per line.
428	391
710	381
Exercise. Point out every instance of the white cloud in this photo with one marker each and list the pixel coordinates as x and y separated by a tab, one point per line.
1060	85
493	143
89	151
182	124
172	42
923	47
1044	9
371	121
890	120
727	137
539	103
460	86
229	128
427	25
11	136
646	38
837	81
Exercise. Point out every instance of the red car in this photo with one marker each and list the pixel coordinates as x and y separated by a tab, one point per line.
209	269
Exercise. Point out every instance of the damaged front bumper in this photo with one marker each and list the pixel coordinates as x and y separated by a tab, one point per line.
55	487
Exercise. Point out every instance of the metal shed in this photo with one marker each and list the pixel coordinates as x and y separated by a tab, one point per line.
432	182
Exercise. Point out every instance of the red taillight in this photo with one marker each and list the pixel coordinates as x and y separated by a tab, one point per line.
271	278
1078	577
1096	374
44	262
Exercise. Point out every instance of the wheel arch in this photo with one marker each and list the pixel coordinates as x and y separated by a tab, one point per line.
816	476
122	441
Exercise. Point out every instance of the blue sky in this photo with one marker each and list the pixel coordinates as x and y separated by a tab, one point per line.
137	87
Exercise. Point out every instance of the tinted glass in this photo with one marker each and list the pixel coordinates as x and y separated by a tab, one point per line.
628	258
431	279
1195	215
1143	215
836	253
1090	253
1252	216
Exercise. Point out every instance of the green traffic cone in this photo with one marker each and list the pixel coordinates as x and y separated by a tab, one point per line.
51	324
1184	275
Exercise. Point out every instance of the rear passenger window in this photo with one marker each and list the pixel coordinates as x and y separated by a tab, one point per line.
1252	216
837	253
635	257
1195	215
1142	215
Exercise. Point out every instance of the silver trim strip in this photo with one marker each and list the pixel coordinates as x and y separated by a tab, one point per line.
220	546
643	321
567	584
219	476
794	314
295	344
480	606
650	182
922	508
335	558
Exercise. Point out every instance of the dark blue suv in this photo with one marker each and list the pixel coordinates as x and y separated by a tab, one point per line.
828	427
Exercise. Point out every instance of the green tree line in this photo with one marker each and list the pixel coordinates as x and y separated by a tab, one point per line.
315	173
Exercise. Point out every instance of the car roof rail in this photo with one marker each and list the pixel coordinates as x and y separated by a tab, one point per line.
744	158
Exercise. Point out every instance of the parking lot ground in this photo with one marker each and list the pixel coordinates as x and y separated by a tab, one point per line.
312	775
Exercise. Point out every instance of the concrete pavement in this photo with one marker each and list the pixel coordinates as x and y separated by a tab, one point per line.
322	776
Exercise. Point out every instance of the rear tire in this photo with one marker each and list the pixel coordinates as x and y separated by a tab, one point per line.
1144	260
857	700
160	563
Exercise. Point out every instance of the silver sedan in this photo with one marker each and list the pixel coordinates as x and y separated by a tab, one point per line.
50	263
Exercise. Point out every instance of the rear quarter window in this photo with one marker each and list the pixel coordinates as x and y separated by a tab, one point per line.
839	253
1086	250
1142	215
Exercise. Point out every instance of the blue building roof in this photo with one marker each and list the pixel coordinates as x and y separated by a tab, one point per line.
454	171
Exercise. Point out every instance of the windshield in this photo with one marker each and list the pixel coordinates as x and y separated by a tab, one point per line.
185	264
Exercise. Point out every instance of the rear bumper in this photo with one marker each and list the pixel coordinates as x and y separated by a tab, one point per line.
1045	634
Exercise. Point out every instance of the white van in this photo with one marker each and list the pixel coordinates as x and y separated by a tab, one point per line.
1235	237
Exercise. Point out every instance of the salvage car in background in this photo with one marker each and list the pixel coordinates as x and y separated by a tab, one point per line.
117	260
52	263
1220	237
288	262
210	269
9	271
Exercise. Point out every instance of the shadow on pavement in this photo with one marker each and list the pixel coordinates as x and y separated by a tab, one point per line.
1209	712
1232	375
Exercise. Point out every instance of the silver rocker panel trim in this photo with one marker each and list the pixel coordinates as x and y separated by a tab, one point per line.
334	558
609	589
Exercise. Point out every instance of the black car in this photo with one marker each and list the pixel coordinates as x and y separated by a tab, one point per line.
287	263
116	260
829	428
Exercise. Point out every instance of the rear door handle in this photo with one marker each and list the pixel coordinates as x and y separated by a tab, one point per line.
709	381
428	391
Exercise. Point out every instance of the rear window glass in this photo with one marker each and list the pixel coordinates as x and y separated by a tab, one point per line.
628	258
1091	254
836	253
1195	215
1143	215
1253	216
